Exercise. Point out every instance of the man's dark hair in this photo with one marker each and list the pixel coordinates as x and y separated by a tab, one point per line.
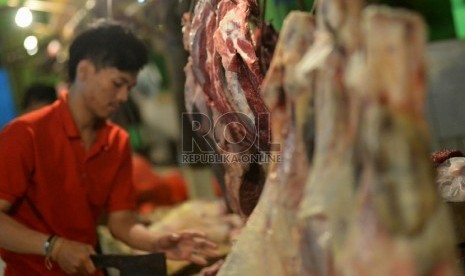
107	44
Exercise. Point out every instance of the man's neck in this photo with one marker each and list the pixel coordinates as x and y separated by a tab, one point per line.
86	122
84	119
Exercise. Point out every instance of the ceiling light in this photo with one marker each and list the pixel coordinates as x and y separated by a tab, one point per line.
53	48
30	43
33	51
23	17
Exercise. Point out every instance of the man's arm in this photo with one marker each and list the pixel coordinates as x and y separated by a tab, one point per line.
17	237
186	245
72	256
124	227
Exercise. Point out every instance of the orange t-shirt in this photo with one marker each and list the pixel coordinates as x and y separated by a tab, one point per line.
54	185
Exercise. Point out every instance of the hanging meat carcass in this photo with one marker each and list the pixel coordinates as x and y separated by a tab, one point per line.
269	245
329	194
398	212
370	205
223	41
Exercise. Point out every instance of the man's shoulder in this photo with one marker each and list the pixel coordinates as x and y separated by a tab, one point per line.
42	115
32	120
116	129
116	132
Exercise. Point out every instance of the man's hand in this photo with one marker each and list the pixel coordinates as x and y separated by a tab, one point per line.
73	257
211	270
187	245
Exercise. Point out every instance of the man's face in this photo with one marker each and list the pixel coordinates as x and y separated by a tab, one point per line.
106	89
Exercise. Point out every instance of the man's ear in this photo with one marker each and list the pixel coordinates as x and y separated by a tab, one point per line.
84	69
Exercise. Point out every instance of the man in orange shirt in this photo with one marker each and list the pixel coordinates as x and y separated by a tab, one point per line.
62	166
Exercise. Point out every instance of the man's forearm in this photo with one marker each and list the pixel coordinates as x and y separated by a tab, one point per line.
125	228
18	238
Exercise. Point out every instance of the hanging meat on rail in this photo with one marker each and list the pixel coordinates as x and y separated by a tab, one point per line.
268	245
362	200
329	194
223	39
371	205
399	212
